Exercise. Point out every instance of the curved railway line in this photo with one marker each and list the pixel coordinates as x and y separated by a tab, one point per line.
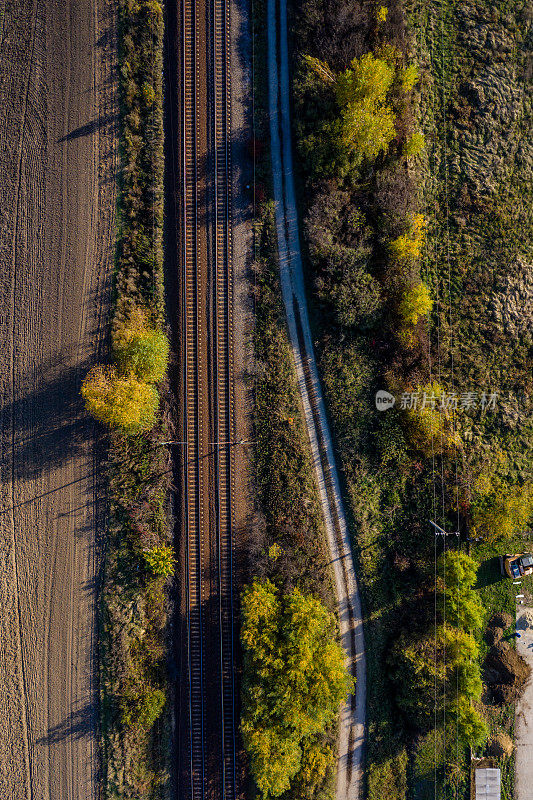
207	393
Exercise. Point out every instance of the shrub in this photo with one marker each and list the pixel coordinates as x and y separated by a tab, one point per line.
294	681
148	94
408	246
122	403
504	512
160	560
141	349
141	708
428	425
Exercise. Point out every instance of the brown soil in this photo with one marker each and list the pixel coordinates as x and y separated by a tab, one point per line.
493	635
57	168
502	619
506	672
500	745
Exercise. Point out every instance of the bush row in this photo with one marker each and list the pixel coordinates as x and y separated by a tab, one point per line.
293	677
130	398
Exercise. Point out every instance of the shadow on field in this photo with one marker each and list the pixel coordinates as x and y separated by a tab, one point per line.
46	425
79	725
90	127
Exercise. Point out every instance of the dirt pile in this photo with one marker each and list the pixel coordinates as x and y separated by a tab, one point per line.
500	745
493	636
502	619
506	672
525	621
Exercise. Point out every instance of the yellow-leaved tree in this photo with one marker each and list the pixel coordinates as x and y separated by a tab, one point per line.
415	303
414	145
367	118
409	77
503	511
408	246
121	402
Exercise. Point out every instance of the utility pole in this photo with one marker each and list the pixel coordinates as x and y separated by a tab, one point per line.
441	532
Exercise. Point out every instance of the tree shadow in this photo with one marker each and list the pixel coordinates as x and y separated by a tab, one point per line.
489	572
48	423
90	127
80	724
44	425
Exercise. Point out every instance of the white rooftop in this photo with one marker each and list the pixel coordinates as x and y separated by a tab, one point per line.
488	784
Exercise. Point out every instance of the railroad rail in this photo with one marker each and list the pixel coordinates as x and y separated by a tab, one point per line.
208	397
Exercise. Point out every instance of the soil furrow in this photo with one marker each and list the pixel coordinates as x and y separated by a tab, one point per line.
57	161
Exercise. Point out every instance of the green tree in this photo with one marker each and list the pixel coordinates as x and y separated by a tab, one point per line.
140	349
414	666
466	722
353	293
317	763
120	402
294	680
463	605
462	664
446	656
275	756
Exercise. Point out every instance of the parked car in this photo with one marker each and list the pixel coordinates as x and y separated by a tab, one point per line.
518	565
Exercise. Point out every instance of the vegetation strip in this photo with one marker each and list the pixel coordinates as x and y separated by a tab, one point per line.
287	606
381	147
130	398
352	714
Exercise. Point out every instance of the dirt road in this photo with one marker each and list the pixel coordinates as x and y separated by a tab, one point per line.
349	782
57	165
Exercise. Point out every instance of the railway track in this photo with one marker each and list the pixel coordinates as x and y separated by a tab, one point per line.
208	398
